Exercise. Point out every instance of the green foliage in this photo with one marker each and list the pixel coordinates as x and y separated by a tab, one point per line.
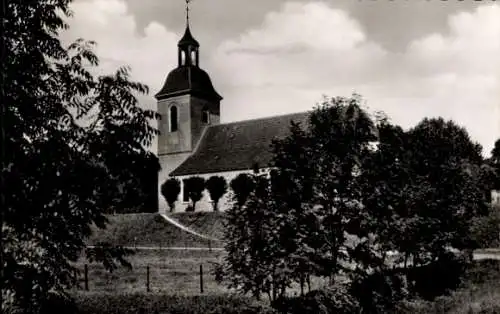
72	143
346	191
217	187
421	191
336	299
318	169
486	229
194	187
242	186
494	161
159	303
294	222
170	189
254	263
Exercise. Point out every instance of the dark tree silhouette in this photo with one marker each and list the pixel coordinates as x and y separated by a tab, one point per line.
194	187
170	189
217	187
242	186
69	139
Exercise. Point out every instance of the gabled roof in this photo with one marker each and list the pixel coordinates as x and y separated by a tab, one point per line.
238	145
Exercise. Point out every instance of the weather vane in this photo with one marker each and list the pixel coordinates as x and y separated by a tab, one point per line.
187	11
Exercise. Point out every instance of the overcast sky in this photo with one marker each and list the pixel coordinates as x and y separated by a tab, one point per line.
409	58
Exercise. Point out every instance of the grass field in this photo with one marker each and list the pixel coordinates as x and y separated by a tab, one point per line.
174	276
171	272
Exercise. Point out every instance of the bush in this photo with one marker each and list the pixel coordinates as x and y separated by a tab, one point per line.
194	187
332	300
217	187
438	278
486	229
379	292
170	189
158	303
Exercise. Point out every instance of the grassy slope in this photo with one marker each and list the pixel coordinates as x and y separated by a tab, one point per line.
153	230
208	223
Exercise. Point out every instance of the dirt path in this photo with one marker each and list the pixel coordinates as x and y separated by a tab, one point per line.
187	229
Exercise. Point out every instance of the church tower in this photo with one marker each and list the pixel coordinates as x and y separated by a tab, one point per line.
187	104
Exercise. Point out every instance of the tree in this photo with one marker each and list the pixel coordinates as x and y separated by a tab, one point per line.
217	187
320	167
495	152
308	203
421	192
67	139
255	261
194	187
494	162
170	189
242	186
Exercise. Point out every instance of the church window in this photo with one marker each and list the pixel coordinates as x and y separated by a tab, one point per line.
183	58
174	118
193	57
205	116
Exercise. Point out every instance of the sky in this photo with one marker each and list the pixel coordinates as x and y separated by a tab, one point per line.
409	58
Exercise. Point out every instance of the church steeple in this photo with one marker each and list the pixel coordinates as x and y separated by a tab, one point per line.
188	47
188	77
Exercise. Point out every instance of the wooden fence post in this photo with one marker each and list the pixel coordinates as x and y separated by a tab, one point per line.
201	278
147	278
86	271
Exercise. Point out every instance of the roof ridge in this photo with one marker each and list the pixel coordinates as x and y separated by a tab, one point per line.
261	118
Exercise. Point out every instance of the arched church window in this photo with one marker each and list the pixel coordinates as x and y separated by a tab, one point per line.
193	57
174	118
183	58
205	115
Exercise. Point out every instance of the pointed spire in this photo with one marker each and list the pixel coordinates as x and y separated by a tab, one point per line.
187	13
188	39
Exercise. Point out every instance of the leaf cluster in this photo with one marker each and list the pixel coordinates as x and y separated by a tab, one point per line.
74	145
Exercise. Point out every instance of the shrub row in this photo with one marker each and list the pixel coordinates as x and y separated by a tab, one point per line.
157	303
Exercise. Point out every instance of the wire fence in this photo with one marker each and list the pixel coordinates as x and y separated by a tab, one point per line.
190	278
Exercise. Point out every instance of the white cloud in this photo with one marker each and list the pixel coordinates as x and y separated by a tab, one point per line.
108	22
306	50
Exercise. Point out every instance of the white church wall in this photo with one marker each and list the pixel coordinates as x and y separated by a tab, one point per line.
205	204
168	164
495	197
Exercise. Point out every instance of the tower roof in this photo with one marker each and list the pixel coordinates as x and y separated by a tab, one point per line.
188	80
188	77
188	39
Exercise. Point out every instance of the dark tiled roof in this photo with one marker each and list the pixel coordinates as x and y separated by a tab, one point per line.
238	145
188	80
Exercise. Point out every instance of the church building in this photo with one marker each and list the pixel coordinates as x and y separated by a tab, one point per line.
193	142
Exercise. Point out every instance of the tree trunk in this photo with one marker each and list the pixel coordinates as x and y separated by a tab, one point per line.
302	285
308	283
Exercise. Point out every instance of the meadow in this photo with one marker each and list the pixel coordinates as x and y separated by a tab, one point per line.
174	274
175	288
